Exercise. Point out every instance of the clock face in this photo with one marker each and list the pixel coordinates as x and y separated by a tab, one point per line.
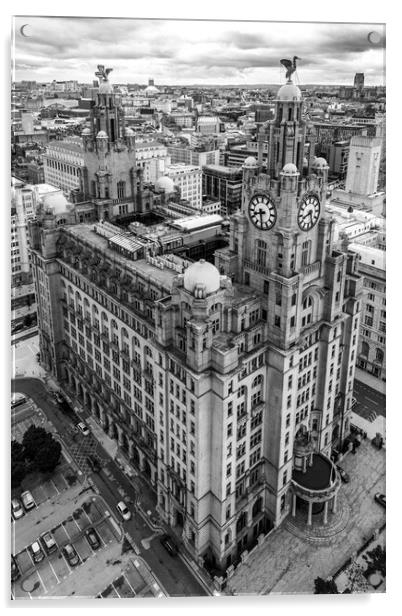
309	212
262	212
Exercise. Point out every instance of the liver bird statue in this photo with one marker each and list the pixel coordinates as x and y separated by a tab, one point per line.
103	73
290	66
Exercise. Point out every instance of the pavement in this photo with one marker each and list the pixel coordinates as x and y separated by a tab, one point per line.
174	574
288	564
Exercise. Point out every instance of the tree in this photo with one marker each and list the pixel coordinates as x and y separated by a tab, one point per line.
48	457
325	587
33	440
18	465
41	449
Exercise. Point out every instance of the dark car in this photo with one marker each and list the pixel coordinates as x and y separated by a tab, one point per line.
48	542
380	499
71	555
344	476
169	545
93	538
93	464
36	552
15	572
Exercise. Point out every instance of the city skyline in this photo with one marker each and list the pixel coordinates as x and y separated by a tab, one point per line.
187	52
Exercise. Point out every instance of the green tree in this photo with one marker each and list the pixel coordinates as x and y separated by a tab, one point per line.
33	440
48	457
18	464
325	587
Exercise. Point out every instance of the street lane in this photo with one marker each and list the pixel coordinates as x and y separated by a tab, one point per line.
368	400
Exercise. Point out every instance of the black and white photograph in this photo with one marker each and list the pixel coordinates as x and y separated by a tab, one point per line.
198	307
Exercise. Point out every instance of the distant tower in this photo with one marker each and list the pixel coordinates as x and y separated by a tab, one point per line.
363	165
151	82
109	175
359	81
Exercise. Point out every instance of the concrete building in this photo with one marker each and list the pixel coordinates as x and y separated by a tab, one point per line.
338	159
191	156
209	125
372	350
63	163
225	184
188	178
225	386
152	157
23	209
363	165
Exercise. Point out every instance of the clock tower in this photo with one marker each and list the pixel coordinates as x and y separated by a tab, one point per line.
281	248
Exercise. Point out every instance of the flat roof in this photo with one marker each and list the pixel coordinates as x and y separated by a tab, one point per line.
189	223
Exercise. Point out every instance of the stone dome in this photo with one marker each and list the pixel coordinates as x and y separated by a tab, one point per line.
289	92
203	273
250	162
320	162
151	90
101	135
105	88
129	132
57	203
290	169
86	131
165	183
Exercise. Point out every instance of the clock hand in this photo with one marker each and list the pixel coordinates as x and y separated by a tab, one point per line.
261	211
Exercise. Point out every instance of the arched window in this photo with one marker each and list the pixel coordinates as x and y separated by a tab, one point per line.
261	253
379	355
258	380
306	248
365	349
257	507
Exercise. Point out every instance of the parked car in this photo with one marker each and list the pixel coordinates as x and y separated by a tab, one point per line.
15	572
93	538
123	510
71	555
28	500
93	464
16	509
59	397
48	542
36	552
169	545
344	475
17	399
83	428
380	499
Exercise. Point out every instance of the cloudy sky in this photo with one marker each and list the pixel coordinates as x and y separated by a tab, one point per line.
203	52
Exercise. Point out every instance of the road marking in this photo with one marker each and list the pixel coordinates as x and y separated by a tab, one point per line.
56	488
41	581
54	572
116	590
128	582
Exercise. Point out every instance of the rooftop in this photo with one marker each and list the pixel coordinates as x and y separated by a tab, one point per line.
318	476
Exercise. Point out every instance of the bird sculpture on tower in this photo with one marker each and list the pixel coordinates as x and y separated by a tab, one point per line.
290	66
103	73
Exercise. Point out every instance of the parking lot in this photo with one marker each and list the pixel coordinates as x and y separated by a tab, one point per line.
134	582
39	580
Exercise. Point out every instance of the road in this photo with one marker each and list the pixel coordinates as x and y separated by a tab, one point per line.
368	400
173	573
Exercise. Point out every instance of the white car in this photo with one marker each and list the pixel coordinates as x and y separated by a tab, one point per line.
16	509
83	428
123	510
28	500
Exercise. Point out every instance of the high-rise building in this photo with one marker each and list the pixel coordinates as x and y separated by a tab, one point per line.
63	163
225	184
358	82
188	178
226	386
363	165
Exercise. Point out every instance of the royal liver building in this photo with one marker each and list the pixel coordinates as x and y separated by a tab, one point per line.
226	386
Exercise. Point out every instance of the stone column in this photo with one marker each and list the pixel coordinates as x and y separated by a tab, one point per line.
310	513
294	505
326	512
334	503
311	459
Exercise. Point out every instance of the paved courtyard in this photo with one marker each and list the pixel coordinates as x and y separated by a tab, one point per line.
286	563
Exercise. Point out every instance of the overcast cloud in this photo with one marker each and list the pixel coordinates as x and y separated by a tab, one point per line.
188	52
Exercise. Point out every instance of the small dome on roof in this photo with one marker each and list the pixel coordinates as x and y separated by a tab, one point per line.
320	162
129	132
57	203
101	135
203	273
86	131
250	162
165	183
289	92
290	169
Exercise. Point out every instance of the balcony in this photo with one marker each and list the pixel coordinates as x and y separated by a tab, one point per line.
310	272
261	269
